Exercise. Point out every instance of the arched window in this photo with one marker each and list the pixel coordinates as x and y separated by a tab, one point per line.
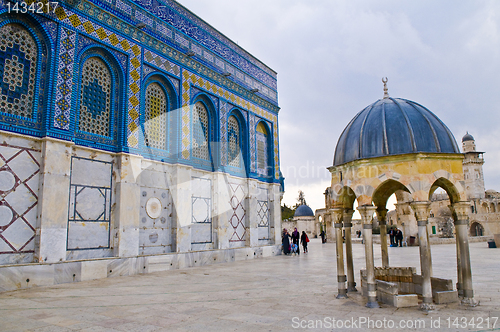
155	124
18	66
234	142
95	97
200	132
262	150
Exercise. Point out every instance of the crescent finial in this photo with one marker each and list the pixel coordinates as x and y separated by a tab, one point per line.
386	93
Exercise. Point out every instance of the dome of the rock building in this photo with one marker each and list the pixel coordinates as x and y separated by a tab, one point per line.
393	126
303	211
467	137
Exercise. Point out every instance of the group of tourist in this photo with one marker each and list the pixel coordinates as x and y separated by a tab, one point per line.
293	247
396	237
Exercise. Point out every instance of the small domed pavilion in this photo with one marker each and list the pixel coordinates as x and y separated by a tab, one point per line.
390	146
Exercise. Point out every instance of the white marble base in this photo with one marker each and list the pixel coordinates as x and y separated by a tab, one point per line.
13	277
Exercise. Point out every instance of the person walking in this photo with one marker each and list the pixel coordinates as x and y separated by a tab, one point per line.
296	238
303	240
399	238
285	241
391	236
322	234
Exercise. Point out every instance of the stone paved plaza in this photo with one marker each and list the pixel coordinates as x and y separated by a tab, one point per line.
279	293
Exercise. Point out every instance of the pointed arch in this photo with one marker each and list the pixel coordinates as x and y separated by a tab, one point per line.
447	186
99	98
25	50
385	190
263	149
237	140
205	135
158	123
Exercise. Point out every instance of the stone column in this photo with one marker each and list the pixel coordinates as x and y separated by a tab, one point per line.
460	285
461	210
422	214
382	221
351	284
251	214
182	206
55	173
275	222
341	277
127	209
366	212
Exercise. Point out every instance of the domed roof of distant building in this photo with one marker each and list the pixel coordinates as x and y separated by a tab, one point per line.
467	137
393	126
303	211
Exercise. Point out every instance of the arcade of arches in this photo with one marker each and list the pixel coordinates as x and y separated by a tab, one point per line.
396	146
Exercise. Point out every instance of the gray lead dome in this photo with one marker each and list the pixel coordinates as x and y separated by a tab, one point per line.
303	211
393	126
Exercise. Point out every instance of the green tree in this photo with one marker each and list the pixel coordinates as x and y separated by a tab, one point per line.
287	212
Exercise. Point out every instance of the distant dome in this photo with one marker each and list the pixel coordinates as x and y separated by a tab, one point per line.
393	126
467	137
303	211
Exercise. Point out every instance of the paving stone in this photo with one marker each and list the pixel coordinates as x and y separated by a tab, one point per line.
252	295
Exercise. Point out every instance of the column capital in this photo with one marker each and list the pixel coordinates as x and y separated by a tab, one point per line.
382	215
336	214
348	215
366	212
461	209
421	210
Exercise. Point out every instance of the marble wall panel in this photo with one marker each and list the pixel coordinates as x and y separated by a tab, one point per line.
26	276
82	168
118	267
162	263
69	272
89	204
155	232
89	254
19	181
201	232
91	270
88	235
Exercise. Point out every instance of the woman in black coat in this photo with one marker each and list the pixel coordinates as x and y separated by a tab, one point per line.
304	239
285	241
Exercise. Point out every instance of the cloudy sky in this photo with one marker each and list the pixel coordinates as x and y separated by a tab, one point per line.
330	56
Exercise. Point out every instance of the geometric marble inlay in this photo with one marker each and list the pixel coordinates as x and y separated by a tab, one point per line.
263	213
238	217
19	172
89	204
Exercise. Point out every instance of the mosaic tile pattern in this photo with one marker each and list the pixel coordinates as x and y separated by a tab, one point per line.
234	142
262	150
213	53
191	79
251	131
199	31
238	218
18	66
200	132
223	131
19	173
134	52
155	124
95	98
64	85
161	62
